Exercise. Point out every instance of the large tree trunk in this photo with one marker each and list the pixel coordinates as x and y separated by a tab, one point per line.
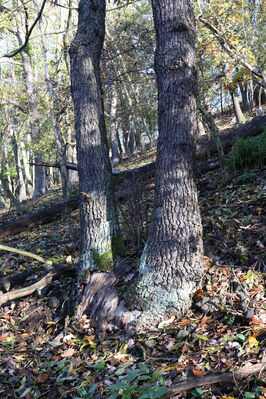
97	210
171	266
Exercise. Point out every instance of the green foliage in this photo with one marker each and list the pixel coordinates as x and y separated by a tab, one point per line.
131	385
244	178
250	152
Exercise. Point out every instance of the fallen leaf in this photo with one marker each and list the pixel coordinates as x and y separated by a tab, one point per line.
42	378
198	372
5	316
68	353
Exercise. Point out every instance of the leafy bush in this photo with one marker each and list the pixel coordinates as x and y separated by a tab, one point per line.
250	152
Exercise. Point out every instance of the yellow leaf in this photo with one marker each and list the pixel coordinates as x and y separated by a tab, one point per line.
252	342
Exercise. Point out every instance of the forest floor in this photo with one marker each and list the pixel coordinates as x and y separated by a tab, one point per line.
225	329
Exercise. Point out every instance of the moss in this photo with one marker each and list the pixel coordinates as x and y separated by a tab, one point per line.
103	261
118	247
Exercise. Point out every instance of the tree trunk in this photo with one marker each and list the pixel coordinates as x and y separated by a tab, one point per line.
97	210
56	129
171	266
25	159
238	113
39	176
113	138
21	189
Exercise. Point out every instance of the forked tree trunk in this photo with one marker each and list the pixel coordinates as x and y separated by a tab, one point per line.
171	266
97	209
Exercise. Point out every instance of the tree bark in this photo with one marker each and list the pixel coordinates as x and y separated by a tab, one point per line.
113	137
238	113
171	266
39	179
56	129
97	210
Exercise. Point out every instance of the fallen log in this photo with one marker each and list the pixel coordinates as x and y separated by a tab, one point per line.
53	212
44	216
203	149
131	182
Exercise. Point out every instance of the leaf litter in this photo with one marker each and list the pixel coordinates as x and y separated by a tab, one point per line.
224	330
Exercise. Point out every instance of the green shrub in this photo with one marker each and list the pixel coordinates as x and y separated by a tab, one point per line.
246	153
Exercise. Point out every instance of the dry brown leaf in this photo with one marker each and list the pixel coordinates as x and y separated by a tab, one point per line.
68	353
42	378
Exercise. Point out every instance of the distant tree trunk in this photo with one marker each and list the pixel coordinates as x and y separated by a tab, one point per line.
221	97
4	179
237	110
207	116
21	189
113	138
39	175
26	166
244	94
97	209
171	266
56	129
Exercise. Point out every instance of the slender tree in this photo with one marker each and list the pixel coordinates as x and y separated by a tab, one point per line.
98	215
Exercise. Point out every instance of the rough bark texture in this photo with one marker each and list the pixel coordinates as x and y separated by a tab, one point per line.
98	216
171	266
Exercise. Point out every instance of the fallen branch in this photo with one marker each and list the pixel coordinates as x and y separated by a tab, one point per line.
246	371
38	286
25	253
53	268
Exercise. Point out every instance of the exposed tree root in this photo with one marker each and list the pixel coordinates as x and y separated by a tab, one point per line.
100	300
246	371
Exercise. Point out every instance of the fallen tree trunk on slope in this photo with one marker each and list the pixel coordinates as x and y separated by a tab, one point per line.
130	182
53	212
44	216
204	149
